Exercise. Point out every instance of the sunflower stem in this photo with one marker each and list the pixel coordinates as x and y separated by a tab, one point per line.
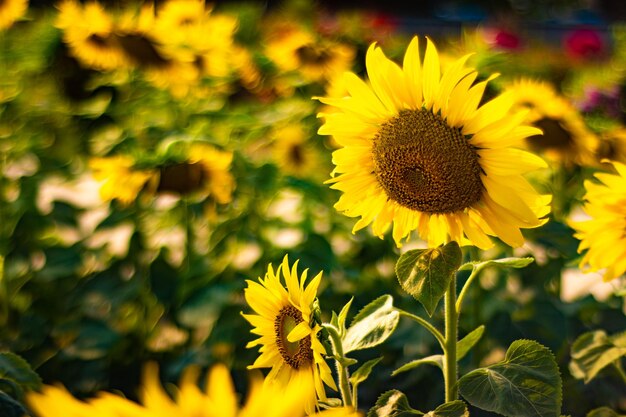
342	369
450	371
466	286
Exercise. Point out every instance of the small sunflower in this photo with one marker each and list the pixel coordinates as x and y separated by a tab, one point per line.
292	153
288	333
88	30
10	11
612	145
218	181
603	235
417	151
219	399
566	138
119	178
316	59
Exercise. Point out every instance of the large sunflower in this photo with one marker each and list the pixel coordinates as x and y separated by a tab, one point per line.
288	333
603	235
566	138
219	399
418	151
10	11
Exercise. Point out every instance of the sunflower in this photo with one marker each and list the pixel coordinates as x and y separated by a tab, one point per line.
316	59
288	333
566	138
119	178
418	151
88	30
10	11
292	153
215	164
219	399
603	235
612	145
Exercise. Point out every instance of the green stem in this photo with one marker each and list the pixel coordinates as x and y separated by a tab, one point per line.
620	370
426	325
466	286
450	371
342	369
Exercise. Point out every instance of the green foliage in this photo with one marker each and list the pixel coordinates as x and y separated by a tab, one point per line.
426	273
455	408
372	325
594	351
526	382
392	403
603	412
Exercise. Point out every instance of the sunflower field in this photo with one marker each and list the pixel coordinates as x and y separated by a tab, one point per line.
307	208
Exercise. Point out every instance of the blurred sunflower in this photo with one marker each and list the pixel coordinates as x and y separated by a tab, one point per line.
316	59
612	145
10	11
120	179
566	139
88	32
603	234
292	152
214	175
288	333
418	152
219	399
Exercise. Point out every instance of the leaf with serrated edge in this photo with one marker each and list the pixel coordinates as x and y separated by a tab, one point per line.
593	351
435	360
526	383
372	326
425	274
455	408
392	404
15	368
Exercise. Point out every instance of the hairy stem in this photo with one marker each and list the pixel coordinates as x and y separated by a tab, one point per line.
450	371
342	369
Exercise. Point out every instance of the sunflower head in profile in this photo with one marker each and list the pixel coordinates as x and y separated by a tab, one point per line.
11	11
287	332
417	150
566	139
218	399
603	234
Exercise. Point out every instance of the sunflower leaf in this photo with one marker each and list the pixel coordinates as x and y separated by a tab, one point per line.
526	383
10	407
426	273
593	351
511	262
455	408
363	372
435	360
393	403
372	325
603	412
341	319
14	368
464	345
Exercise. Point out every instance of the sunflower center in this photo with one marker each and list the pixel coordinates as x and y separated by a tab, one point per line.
296	354
554	136
95	39
142	50
296	154
181	178
311	54
425	165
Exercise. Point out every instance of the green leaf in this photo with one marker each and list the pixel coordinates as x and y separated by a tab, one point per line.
504	262
526	383
464	345
10	408
435	360
14	368
372	325
392	404
603	412
426	273
593	351
364	371
455	408
341	319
